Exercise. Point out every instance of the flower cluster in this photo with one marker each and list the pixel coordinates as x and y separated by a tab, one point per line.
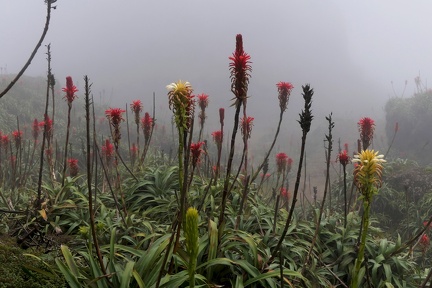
343	158
134	152
203	103
196	151
368	172
108	151
146	125
366	128
246	126
240	69
182	102
70	90
218	138
136	108
281	162
284	89
35	130
73	167
115	116
285	193
424	242
17	134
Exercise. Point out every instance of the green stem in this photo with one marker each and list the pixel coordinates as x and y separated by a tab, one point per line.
355	279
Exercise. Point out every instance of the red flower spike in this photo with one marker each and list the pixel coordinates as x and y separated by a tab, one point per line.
246	126
17	134
35	130
196	152
115	116
240	70
134	151
70	90
366	128
108	151
284	89
203	101
217	137
136	108
146	125
424	241
343	158
285	193
281	162
73	167
396	129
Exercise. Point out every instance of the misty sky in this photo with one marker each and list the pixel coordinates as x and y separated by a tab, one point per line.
349	51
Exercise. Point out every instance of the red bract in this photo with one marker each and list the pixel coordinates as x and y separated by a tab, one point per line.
136	108
203	101
17	134
366	127
284	89
5	141
134	151
73	167
343	158
115	115
70	90
240	70
346	147
424	241
196	152
285	193
246	126
281	162
35	130
108	150
146	124
217	137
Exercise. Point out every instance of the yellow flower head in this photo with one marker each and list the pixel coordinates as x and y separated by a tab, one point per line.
181	102
368	171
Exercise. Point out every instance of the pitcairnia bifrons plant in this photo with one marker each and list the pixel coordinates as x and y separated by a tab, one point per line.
367	178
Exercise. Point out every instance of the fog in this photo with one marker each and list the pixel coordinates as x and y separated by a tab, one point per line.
350	52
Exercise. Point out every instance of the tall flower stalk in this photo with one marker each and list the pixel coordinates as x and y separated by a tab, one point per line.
181	102
218	138
367	178
344	159
329	139
240	69
305	123
203	104
147	125
136	108
70	96
284	92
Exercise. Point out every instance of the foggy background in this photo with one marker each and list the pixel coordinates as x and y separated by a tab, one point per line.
350	52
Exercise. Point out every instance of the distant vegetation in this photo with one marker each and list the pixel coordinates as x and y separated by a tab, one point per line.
413	117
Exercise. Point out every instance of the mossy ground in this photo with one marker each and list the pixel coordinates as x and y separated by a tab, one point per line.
17	270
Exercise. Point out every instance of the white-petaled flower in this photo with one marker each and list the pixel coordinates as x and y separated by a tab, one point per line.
179	87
